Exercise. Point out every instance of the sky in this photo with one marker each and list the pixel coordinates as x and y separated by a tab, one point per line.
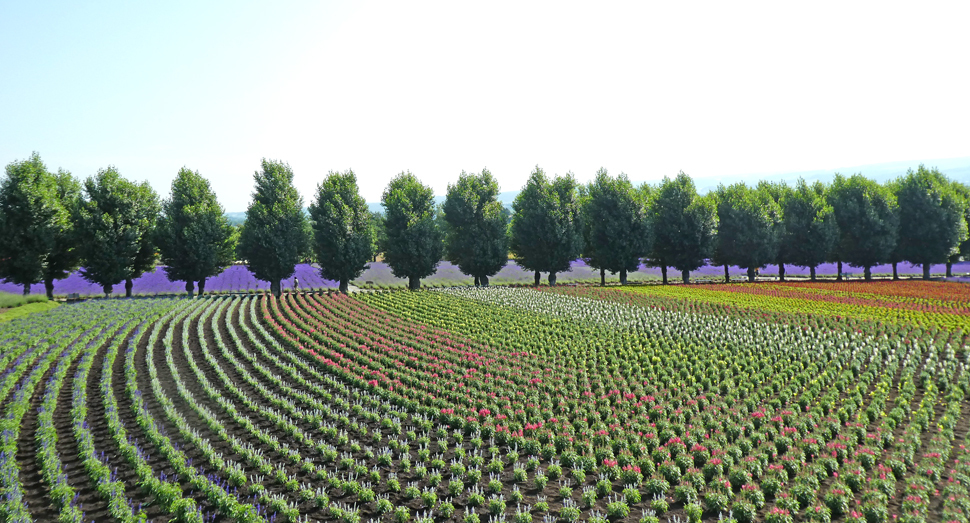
719	90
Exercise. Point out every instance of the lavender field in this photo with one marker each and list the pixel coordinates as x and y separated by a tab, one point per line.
379	275
237	278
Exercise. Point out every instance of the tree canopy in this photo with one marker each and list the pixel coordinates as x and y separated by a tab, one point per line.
276	235
37	241
810	231
194	238
867	219
116	220
931	221
546	229
749	227
476	236
684	227
343	232
616	229
414	244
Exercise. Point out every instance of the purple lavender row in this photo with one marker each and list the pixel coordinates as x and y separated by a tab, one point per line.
237	278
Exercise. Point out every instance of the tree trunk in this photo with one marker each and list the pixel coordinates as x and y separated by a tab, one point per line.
727	275
663	271
538	278
128	285
781	272
26	289
838	277
484	281
189	287
276	288
622	276
949	270
414	283
201	286
685	276
811	271
895	271
552	279
750	274
867	272
49	287
107	290
926	271
477	281
602	277
344	285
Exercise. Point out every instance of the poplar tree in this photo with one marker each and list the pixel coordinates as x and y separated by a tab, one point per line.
685	227
343	234
868	222
116	222
414	243
616	228
476	238
546	229
276	234
749	227
37	240
810	227
931	224
194	236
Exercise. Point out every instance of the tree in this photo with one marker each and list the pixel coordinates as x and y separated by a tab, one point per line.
116	221
931	223
37	241
963	252
866	214
546	228
276	234
343	237
749	227
414	243
616	231
778	191
476	238
810	231
193	235
684	226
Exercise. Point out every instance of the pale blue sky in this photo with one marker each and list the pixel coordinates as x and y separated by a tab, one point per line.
713	89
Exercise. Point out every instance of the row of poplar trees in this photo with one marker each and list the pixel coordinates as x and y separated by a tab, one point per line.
116	230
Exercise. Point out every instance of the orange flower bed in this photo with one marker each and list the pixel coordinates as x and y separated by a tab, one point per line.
936	297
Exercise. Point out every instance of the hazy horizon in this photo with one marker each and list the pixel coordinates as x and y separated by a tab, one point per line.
720	91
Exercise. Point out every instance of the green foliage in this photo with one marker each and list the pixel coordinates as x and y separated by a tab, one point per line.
546	229
684	226
616	229
475	226
380	234
811	231
116	219
65	256
414	243
8	300
194	237
931	218
38	242
749	227
276	235
867	218
343	235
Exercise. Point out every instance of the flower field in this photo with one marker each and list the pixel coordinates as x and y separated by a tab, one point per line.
941	305
483	405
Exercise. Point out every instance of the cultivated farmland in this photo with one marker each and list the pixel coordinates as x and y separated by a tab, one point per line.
774	403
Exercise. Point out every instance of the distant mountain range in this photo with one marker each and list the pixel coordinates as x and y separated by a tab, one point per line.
957	169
